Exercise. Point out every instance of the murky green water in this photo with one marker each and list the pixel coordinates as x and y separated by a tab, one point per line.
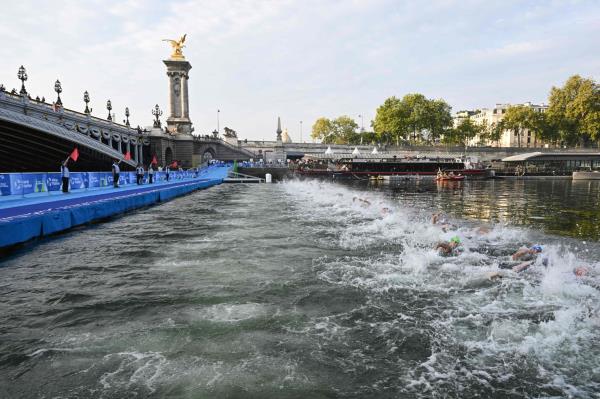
300	290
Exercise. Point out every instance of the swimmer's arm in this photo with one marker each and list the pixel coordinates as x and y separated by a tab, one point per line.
522	266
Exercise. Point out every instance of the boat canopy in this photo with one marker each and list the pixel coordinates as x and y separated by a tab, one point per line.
553	156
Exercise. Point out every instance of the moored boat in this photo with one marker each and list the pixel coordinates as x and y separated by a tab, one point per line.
374	168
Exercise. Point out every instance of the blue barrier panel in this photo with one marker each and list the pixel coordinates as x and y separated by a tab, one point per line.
99	179
55	221
5	186
29	183
78	180
53	182
20	230
81	215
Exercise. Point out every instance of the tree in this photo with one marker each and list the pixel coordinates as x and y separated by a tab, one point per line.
345	130
437	119
463	132
521	117
322	130
417	105
341	130
574	110
391	120
413	115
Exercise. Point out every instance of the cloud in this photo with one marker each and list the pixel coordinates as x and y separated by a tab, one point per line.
255	59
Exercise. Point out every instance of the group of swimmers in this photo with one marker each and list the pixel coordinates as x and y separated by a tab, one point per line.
521	260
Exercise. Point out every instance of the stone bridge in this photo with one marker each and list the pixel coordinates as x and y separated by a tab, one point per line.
34	136
191	151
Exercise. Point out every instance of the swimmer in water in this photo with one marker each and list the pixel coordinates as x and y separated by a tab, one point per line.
527	254
483	230
449	248
441	220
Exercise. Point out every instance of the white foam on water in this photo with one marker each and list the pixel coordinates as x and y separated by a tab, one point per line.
545	315
229	313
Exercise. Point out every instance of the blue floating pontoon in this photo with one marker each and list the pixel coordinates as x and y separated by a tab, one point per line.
25	217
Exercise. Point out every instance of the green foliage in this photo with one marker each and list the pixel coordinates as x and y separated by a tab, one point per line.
322	130
341	130
391	120
464	131
518	118
413	117
574	110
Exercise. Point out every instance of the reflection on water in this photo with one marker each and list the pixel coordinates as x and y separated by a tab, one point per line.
311	289
563	207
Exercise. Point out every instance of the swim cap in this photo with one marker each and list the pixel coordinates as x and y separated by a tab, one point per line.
537	248
455	239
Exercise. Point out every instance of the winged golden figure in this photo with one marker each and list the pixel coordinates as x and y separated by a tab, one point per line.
177	46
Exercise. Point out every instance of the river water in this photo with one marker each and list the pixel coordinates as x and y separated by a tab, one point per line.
304	290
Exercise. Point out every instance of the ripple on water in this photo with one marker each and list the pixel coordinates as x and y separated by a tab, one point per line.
302	290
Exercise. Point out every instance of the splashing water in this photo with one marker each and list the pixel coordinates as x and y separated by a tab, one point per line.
442	324
299	289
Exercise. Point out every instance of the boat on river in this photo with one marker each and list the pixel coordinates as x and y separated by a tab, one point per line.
376	168
450	178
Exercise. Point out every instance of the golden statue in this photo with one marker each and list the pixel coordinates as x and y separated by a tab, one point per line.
177	46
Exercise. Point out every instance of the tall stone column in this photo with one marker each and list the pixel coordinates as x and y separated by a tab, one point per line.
179	120
184	97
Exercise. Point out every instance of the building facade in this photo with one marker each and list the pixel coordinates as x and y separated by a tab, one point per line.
508	138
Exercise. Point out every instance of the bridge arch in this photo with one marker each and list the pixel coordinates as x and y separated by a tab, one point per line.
208	155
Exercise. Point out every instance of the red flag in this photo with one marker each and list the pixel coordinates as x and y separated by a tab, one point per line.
74	155
154	160
127	156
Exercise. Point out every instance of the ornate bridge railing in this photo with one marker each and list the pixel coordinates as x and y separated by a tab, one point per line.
104	136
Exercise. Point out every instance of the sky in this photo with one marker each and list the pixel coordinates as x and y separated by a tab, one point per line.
300	60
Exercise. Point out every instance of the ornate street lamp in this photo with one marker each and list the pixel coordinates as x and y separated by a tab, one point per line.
58	90
109	108
86	100
127	116
157	114
22	75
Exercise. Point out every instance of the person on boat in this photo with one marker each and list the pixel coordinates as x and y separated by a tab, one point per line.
449	248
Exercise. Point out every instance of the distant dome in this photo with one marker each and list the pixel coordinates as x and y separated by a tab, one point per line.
286	137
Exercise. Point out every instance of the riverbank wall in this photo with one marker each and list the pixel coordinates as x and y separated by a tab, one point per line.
26	219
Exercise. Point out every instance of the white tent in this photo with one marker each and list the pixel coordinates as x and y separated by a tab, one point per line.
355	152
374	151
328	151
